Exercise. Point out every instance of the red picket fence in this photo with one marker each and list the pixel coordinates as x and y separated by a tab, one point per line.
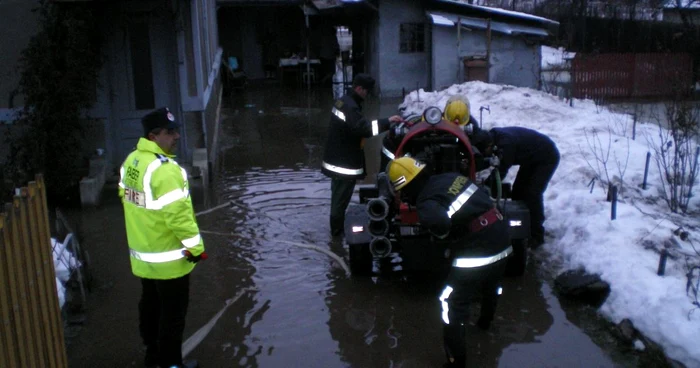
630	75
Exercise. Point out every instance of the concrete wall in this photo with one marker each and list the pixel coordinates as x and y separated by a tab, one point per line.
400	70
211	115
372	50
513	61
447	68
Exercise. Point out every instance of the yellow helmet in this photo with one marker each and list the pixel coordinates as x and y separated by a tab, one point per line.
457	108
402	170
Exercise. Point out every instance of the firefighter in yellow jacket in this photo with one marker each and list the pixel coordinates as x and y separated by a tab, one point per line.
163	236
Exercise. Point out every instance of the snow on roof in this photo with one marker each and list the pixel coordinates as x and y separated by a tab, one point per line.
440	20
502	27
509	13
682	4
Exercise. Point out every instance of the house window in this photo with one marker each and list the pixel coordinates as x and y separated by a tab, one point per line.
141	69
412	37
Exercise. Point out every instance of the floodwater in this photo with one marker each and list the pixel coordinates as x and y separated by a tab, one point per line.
297	306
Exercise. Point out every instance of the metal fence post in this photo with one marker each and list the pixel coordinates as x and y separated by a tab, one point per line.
646	171
613	209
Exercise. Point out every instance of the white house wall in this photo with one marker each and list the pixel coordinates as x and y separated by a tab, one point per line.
513	61
400	70
446	64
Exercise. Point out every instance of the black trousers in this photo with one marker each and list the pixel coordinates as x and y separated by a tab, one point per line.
466	284
341	194
162	312
529	186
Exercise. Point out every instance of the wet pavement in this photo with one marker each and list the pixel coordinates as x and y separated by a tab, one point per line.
298	307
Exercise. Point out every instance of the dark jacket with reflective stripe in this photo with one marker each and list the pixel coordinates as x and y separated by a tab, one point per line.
522	146
435	205
343	156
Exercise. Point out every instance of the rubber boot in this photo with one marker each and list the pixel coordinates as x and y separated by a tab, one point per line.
455	345
151	359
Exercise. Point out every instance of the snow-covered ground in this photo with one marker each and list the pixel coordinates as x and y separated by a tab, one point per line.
625	252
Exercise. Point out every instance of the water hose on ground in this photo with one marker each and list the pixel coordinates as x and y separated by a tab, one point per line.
200	334
214	208
300	245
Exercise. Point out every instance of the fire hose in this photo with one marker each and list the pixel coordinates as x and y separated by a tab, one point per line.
300	245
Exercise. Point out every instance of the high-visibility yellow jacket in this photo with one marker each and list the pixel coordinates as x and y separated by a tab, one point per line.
160	220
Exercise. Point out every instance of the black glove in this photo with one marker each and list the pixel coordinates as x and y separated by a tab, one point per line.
194	259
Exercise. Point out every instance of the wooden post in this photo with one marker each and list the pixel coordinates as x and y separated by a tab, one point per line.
40	251
10	345
20	297
488	50
26	260
459	45
55	308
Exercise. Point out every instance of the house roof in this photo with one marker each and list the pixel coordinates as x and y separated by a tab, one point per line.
320	5
478	11
445	19
259	2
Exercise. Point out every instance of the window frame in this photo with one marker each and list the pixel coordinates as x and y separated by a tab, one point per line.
412	38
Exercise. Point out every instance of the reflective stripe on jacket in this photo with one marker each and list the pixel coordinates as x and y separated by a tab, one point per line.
447	205
343	155
158	213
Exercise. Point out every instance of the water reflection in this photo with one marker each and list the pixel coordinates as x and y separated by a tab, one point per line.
384	322
305	311
286	205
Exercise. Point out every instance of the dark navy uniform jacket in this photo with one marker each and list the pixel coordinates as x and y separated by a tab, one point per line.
522	146
449	203
343	156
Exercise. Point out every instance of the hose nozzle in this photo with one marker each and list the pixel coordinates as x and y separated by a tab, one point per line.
380	247
379	228
377	209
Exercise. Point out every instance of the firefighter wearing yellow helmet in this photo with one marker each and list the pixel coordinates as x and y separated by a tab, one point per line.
457	110
451	205
403	170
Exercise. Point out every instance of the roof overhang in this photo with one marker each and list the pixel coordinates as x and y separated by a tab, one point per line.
451	20
501	15
310	7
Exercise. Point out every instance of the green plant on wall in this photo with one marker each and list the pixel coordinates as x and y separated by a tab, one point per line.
59	79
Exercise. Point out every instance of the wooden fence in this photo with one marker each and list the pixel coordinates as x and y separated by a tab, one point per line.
31	325
604	76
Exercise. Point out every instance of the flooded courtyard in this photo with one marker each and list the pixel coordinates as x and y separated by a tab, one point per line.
294	305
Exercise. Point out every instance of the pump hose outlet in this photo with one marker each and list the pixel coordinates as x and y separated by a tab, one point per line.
380	247
377	209
379	228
